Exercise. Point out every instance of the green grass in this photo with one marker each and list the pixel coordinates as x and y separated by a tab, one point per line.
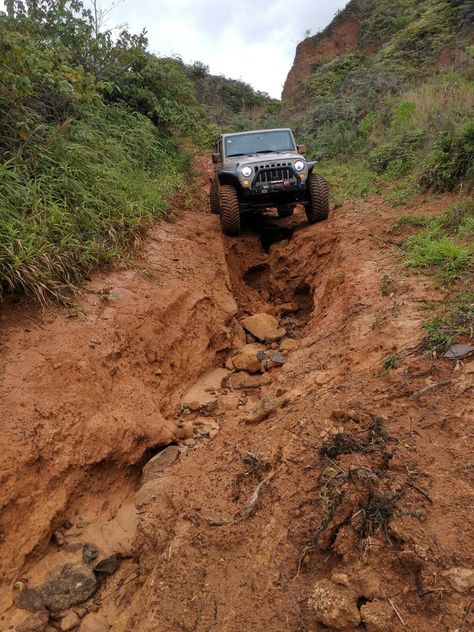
77	199
457	321
443	246
349	181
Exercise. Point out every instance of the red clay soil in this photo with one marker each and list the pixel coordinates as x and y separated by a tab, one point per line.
337	40
358	475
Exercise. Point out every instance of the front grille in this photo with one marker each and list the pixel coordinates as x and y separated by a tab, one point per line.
275	173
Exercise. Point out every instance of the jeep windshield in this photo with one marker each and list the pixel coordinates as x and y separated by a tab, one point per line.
259	143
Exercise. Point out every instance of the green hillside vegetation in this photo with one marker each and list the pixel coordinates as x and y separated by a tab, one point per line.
393	111
90	131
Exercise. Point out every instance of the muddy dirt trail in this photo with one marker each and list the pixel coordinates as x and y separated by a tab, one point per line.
148	485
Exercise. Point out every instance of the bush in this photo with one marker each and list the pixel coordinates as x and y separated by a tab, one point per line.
451	161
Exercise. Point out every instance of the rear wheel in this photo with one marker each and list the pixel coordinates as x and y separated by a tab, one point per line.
230	211
285	211
214	198
317	209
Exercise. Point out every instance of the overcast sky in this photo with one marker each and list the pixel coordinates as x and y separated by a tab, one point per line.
252	40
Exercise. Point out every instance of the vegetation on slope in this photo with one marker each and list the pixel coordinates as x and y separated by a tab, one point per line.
404	98
89	130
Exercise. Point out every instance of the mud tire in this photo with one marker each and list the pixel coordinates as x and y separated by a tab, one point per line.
317	210
285	211
214	205
230	211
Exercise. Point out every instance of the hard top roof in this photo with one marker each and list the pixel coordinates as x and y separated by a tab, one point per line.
257	131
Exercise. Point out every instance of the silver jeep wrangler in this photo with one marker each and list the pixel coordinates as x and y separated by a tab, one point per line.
262	169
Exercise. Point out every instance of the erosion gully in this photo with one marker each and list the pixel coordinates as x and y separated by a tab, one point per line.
236	500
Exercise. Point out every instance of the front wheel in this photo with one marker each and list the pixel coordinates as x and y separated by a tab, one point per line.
230	211
317	209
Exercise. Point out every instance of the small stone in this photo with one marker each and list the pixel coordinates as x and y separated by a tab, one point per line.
264	408
30	600
20	585
340	578
160	462
239	339
289	345
58	538
67	586
89	552
260	325
70	622
335	606
109	565
457	352
277	358
378	616
35	623
58	365
461	579
95	341
229	365
227	402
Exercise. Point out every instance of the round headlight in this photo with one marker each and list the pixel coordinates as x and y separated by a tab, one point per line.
299	165
246	172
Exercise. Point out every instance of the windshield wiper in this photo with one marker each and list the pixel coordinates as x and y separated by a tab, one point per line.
269	151
235	155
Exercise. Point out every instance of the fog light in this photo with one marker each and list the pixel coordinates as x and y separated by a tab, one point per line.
245	183
302	176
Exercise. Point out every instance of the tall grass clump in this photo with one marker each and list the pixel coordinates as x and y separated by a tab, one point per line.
80	201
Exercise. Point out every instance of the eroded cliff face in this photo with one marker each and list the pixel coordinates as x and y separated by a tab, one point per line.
337	40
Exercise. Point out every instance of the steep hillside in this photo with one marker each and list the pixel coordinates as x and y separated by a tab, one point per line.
392	83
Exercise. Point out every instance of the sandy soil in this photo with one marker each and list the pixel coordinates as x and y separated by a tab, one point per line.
359	475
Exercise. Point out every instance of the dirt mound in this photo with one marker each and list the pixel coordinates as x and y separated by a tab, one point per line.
323	489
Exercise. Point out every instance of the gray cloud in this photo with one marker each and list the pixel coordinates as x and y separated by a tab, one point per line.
252	40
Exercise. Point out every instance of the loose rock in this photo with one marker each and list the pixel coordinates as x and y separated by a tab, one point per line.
276	335
109	565
265	406
35	623
67	586
160	462
227	402
277	357
461	579
243	380
70	622
260	325
89	552
247	360
378	616
29	599
289	345
334	606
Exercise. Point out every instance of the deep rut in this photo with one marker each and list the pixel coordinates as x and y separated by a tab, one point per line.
245	517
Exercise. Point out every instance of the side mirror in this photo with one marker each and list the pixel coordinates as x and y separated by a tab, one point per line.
215	158
301	149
